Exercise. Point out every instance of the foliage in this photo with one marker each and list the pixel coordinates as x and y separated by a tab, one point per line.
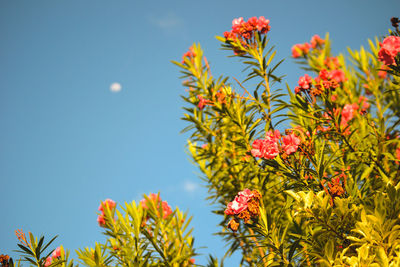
33	252
143	235
301	175
330	187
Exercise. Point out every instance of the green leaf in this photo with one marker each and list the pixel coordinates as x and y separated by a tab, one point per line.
30	260
48	244
27	250
221	39
382	257
38	248
271	58
329	249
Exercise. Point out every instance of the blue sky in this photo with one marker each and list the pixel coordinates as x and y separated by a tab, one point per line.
67	141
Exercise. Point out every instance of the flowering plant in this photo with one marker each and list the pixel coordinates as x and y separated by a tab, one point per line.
327	192
147	233
306	176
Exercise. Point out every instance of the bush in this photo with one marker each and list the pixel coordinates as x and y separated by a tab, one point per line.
302	175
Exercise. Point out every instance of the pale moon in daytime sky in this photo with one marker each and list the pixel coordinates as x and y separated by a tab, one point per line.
115	87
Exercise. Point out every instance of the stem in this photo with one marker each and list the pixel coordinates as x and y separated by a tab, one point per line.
259	57
327	225
241	244
256	100
259	248
373	160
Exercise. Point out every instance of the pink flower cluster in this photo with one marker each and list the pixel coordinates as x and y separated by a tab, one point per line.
245	206
348	112
290	143
300	50
56	254
246	29
109	204
203	102
390	48
189	54
363	103
317	41
332	63
325	80
326	77
157	200
266	148
269	147
305	83
240	202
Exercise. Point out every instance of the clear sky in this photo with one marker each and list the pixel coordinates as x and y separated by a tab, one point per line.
67	141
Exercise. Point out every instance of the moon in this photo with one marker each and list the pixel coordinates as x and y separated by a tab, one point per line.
115	87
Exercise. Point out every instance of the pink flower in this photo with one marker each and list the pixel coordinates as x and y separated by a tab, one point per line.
236	25
253	21
108	203
166	209
246	193
48	261
323	74
101	220
272	150
267	150
305	82
56	253
332	63
230	36
202	102
305	48
273	135
290	143
363	101
337	75
299	50
263	25
390	47
153	197
189	54
241	199
240	203
246	30
237	22
257	146
316	41
296	51
348	113
330	79
156	199
268	147
236	207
